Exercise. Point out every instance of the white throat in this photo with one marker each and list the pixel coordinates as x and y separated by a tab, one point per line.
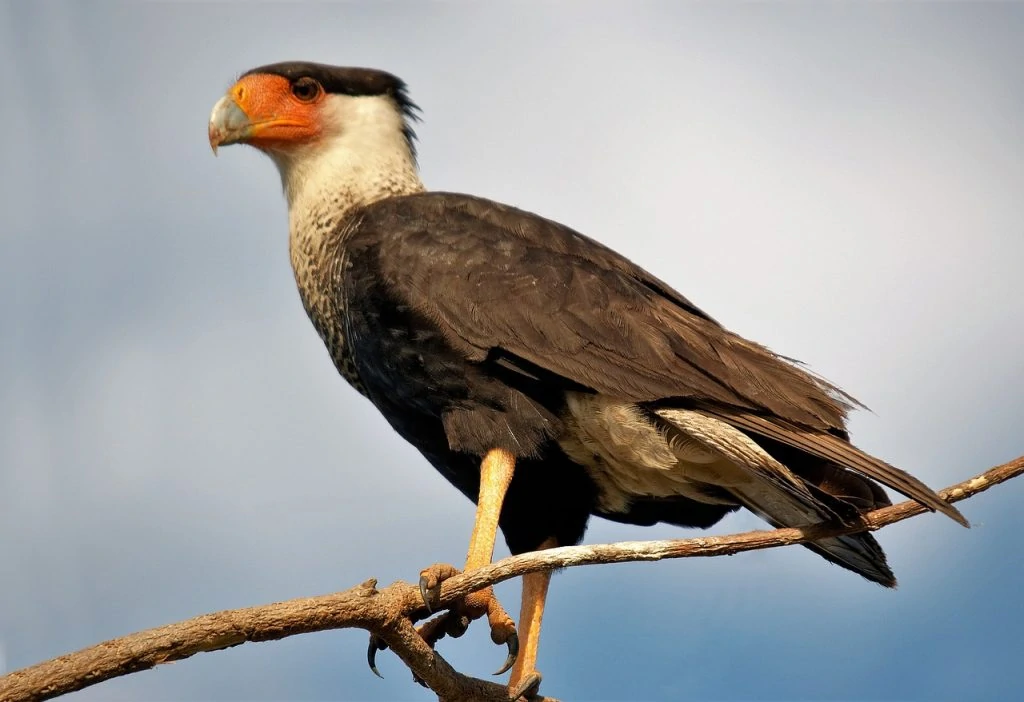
361	156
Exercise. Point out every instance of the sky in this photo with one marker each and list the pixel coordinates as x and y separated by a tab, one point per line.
838	181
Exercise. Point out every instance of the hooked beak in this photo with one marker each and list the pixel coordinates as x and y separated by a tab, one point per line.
228	124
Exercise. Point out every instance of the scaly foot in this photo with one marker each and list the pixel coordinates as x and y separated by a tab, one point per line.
456	621
527	688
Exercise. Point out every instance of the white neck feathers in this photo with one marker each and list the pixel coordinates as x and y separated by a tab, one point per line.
361	156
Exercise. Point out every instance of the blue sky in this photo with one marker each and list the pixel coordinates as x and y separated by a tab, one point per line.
841	182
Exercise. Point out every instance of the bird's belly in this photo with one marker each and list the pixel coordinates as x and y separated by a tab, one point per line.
627	456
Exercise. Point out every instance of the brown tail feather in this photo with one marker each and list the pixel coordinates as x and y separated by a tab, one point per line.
842	453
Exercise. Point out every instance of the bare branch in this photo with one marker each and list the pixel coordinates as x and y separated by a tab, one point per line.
391	611
629	551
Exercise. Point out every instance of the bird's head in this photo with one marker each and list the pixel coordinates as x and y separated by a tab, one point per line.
317	121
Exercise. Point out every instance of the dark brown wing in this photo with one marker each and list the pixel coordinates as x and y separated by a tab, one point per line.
493	277
502	282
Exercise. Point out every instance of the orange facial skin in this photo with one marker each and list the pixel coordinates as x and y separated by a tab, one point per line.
277	113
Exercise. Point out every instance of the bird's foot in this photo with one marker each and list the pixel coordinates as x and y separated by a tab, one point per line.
430	583
456	620
525	689
472	606
447	623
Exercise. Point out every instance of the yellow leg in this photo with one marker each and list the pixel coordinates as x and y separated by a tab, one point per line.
535	592
495	476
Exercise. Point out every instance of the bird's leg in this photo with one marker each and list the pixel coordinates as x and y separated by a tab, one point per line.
495	475
525	679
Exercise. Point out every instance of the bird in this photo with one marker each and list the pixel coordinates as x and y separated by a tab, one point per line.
545	376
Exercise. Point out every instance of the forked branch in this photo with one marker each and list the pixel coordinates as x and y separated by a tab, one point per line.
391	611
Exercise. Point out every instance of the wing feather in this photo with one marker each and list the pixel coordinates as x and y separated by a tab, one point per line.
495	277
842	452
503	283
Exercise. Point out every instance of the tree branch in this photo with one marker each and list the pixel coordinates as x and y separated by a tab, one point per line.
390	612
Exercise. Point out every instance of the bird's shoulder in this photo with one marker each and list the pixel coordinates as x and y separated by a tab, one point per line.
463	234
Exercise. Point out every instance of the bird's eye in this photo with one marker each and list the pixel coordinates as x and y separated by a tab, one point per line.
306	89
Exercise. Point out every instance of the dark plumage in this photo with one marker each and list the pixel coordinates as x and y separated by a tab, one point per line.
468	321
543	374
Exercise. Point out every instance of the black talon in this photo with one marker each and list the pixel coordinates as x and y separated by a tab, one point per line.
513	653
529	687
376	644
425	594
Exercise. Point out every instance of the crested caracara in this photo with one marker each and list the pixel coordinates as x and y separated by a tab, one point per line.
544	375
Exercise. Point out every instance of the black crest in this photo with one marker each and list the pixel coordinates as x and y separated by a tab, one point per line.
352	81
